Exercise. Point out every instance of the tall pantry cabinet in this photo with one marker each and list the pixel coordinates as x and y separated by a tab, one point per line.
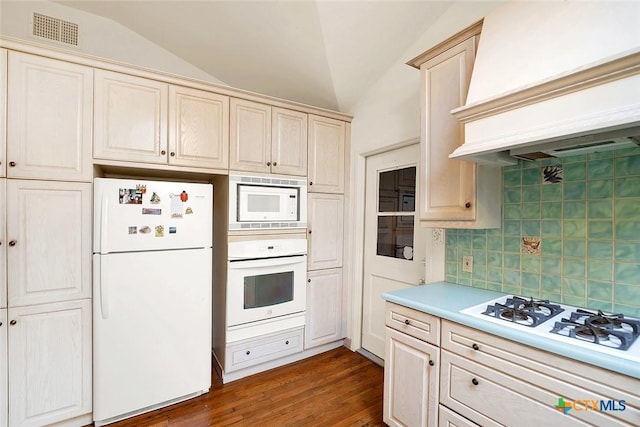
45	262
327	146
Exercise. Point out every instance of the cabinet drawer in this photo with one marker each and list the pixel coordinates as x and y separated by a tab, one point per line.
448	418
489	397
254	352
413	322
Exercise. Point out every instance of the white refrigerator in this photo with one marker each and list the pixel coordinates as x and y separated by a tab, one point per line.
152	283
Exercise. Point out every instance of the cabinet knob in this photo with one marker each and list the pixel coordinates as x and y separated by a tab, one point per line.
467	205
475	346
163	152
310	182
308	280
172	154
13	322
406	321
248	352
474	381
268	163
12	243
0	323
12	164
309	231
287	342
275	163
431	363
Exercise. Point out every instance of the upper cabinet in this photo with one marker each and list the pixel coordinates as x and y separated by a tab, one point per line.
455	193
49	106
130	116
143	120
267	139
3	111
326	155
198	128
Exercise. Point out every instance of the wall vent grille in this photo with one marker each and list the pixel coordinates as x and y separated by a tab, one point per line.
55	29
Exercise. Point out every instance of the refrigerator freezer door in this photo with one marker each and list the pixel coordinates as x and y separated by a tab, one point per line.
152	329
133	215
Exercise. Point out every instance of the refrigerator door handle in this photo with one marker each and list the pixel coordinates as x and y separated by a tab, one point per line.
100	275
104	218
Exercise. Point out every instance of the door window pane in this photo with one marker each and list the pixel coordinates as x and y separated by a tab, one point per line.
397	190
395	236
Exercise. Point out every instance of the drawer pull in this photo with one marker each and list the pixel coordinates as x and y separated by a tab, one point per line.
475	346
248	352
467	205
13	322
163	152
406	322
286	342
268	163
12	164
12	243
474	381
431	363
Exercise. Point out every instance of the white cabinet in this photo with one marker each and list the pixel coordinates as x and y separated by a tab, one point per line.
49	106
324	318
49	239
198	128
3	245
3	112
50	363
4	398
267	139
455	193
483	374
325	231
411	367
130	118
326	155
288	142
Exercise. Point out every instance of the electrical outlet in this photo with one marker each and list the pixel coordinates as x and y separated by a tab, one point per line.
467	263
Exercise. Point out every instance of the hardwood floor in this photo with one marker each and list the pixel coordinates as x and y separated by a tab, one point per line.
336	388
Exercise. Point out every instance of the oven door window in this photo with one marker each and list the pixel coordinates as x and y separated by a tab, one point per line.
268	289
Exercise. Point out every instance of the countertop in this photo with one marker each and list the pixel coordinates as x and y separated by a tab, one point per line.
445	300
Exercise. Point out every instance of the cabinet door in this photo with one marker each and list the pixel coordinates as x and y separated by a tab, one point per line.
49	119
3	245
411	373
198	128
324	307
326	231
289	142
326	155
4	325
3	111
130	118
250	136
449	193
50	359
49	238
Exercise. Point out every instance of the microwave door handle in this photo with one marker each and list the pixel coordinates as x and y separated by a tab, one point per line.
266	262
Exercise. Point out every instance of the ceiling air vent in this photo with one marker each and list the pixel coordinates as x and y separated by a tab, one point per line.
55	29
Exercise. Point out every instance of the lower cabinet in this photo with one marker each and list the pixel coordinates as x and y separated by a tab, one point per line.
323	322
411	367
410	381
4	399
49	363
465	377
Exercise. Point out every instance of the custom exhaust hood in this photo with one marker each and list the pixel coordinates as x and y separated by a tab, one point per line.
553	79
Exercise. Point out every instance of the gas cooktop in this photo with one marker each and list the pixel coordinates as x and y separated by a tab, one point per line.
600	332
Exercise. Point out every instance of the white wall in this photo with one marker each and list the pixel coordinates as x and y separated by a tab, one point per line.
98	37
389	114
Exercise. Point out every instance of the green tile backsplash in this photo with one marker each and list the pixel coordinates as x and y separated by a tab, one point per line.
588	224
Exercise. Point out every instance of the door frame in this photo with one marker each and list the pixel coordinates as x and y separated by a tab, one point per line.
435	250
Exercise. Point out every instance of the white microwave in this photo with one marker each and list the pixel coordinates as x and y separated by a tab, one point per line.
258	202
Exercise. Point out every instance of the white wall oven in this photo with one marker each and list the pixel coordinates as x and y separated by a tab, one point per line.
265	280
267	202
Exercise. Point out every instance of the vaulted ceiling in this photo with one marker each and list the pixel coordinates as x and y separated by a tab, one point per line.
323	53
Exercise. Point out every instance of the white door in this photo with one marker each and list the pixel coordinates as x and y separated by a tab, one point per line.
394	243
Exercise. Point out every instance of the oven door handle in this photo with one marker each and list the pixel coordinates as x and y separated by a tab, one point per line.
267	262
